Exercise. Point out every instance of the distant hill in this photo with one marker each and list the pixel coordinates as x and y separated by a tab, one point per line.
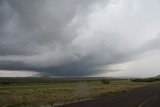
158	77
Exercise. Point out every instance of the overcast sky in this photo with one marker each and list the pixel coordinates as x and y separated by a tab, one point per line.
80	38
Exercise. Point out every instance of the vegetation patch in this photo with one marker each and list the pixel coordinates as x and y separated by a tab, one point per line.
34	93
145	80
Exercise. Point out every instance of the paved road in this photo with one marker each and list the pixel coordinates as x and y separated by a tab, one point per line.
142	97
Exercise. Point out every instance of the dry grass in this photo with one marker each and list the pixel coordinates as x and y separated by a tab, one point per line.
60	93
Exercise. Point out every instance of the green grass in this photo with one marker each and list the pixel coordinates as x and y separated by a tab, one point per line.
57	92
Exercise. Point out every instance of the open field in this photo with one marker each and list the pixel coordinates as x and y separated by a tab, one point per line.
148	96
53	92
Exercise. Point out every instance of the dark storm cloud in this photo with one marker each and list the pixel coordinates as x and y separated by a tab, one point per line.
69	37
28	24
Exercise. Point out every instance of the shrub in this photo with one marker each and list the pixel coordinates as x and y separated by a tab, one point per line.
104	81
5	82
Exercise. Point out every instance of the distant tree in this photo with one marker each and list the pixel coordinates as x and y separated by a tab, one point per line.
5	82
104	81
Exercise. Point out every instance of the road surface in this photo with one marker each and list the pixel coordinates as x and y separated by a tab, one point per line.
148	96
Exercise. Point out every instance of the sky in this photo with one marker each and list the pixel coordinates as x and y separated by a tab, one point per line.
115	38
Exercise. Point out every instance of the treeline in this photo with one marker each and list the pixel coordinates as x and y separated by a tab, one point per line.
7	81
145	80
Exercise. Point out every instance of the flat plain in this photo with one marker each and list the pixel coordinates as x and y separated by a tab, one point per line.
148	96
36	92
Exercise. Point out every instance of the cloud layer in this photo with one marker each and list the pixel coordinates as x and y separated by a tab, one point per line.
74	37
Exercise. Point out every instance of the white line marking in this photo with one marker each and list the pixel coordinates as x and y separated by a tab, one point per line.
147	101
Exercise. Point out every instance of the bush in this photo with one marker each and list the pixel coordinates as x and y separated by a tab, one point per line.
5	82
103	81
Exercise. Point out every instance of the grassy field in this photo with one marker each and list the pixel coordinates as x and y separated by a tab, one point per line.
53	92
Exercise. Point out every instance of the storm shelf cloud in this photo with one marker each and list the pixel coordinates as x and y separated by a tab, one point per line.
76	37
